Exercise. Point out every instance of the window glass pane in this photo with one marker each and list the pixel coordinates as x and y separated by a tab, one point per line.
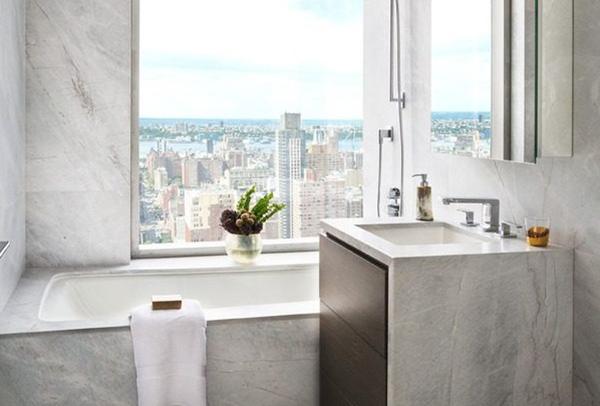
461	77
238	92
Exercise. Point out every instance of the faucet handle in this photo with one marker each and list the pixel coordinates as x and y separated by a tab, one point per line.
394	193
469	218
506	229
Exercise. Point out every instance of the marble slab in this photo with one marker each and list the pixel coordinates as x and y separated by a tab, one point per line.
351	232
78	132
12	144
262	362
481	330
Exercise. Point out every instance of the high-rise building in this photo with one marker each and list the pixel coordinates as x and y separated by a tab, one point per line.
354	177
189	171
289	163
240	179
236	158
322	162
333	140
196	171
202	210
354	202
318	135
210	169
161	179
314	201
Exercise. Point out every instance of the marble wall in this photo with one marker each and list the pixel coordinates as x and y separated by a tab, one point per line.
12	143
262	362
565	189
78	137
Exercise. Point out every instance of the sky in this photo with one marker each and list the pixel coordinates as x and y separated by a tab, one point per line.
461	55
251	59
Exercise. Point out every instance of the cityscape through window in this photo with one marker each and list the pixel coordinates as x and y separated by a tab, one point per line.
461	76
234	94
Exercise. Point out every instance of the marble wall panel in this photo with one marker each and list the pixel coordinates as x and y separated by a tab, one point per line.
12	144
78	132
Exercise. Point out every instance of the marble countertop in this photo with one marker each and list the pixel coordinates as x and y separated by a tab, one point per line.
350	232
21	312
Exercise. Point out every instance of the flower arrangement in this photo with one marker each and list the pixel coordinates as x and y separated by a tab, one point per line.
246	220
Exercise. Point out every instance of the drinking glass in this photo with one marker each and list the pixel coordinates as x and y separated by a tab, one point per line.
538	231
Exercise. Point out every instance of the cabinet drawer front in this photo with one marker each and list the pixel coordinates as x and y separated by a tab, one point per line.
330	393
355	289
355	371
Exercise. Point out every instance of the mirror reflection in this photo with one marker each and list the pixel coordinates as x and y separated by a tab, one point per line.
492	88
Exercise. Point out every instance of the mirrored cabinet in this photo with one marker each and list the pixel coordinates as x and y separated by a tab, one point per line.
502	78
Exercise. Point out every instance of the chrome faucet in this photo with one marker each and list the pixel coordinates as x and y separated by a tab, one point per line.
394	196
492	220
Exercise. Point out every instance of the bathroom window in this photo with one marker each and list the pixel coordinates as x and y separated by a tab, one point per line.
238	93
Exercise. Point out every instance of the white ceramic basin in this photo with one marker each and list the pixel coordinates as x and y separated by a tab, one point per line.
423	234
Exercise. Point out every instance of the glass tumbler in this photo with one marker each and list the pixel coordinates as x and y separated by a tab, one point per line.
538	231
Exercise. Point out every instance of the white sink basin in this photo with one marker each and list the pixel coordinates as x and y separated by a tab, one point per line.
423	234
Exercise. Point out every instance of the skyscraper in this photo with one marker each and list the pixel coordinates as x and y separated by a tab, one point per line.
314	201
289	164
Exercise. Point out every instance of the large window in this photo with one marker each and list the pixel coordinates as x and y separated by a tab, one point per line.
235	93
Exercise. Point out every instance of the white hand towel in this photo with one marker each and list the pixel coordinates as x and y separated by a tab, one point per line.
169	347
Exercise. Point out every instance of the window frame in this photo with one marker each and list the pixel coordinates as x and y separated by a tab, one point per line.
176	249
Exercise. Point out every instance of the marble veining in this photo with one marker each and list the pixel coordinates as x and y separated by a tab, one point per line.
497	332
12	144
78	132
565	189
262	362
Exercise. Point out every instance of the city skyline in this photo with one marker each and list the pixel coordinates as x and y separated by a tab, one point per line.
192	170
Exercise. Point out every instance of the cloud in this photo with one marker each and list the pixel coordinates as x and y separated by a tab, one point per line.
206	56
461	55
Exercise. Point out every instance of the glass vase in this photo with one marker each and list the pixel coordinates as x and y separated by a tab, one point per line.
243	249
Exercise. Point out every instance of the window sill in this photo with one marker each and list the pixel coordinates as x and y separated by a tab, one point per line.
222	262
218	248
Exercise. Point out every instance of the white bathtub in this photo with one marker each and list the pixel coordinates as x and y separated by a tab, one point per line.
225	292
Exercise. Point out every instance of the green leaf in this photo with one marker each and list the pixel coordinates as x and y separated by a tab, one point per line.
244	202
273	209
261	207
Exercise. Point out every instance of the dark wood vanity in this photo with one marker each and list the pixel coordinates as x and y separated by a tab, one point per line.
353	349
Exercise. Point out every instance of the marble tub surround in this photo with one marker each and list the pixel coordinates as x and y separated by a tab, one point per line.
78	132
261	362
474	323
12	144
21	314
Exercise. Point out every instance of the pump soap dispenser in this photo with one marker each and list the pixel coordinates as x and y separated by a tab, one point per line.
424	210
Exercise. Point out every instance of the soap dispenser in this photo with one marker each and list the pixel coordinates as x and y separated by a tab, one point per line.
424	210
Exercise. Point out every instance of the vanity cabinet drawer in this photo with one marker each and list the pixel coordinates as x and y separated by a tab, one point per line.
352	372
355	288
331	394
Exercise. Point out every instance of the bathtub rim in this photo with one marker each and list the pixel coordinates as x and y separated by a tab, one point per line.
21	312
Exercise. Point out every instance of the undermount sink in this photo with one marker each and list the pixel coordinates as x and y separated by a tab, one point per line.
422	234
